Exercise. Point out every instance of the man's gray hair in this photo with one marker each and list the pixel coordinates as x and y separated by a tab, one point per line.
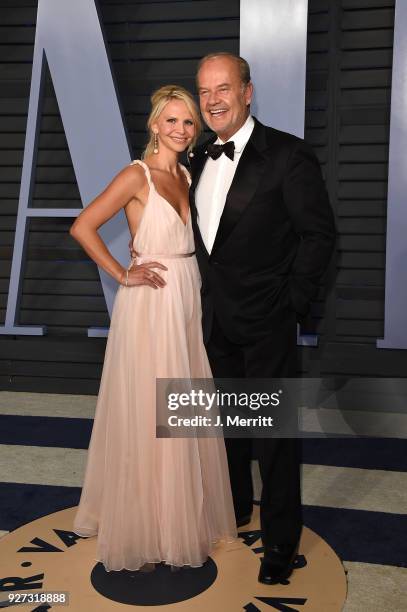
243	66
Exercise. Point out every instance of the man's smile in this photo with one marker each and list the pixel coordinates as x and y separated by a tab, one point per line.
218	112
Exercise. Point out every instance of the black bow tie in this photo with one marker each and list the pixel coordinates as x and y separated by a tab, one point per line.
216	150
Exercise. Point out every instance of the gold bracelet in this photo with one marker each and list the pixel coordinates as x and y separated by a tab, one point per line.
127	277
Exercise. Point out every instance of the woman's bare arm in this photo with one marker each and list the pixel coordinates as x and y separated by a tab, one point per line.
126	185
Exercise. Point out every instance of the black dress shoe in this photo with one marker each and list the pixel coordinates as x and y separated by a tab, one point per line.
277	564
243	520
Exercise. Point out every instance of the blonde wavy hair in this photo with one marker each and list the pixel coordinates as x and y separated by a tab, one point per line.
159	100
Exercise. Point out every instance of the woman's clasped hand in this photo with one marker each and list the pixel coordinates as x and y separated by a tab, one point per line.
143	274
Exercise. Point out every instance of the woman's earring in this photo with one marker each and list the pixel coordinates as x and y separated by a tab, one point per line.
155	150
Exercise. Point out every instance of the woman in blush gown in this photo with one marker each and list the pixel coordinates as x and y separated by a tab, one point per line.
147	499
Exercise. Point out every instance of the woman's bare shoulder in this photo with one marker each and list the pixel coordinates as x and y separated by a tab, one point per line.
133	176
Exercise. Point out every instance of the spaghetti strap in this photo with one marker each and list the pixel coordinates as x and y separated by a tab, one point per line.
148	174
185	171
145	167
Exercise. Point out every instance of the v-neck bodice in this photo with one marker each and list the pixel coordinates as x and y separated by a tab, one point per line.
161	229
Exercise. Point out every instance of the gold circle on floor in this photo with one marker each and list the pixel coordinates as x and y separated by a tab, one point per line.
61	561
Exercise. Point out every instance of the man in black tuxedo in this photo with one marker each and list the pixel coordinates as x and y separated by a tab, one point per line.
264	234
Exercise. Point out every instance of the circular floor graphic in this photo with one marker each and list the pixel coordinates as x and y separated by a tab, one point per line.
45	556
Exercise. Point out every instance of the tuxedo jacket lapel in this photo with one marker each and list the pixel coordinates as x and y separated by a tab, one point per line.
197	165
198	162
244	184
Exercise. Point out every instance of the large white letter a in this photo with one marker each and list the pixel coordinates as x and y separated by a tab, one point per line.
69	36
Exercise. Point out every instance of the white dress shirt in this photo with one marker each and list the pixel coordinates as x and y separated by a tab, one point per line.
214	184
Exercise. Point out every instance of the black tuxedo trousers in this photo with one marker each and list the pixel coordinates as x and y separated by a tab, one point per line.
279	458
